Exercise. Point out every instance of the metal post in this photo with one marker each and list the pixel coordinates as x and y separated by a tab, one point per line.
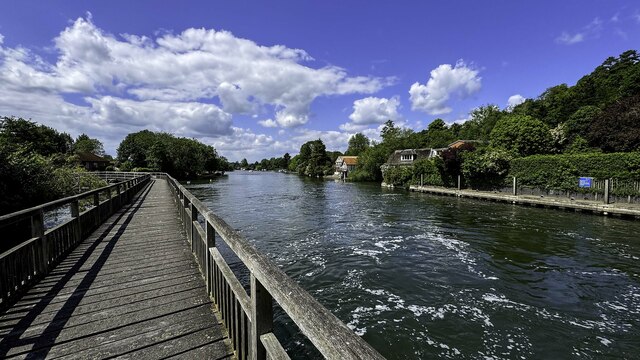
515	186
459	182
421	180
261	318
606	191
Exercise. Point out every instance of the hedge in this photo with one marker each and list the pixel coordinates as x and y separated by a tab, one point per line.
561	172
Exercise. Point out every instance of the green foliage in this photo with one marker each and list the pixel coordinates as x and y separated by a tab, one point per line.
181	157
85	144
561	172
580	121
487	168
28	179
313	160
618	127
522	135
31	137
369	163
429	171
399	175
358	143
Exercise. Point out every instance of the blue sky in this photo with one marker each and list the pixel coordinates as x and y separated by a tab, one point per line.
257	79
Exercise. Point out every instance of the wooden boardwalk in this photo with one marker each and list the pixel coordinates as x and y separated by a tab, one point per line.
130	290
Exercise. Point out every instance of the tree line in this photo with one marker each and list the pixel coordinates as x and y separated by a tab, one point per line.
40	164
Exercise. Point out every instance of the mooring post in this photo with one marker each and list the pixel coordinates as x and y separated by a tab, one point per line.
261	318
421	180
515	186
606	191
211	242
459	182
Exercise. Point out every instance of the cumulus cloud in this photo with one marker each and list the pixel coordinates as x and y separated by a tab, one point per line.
189	83
515	100
445	81
373	110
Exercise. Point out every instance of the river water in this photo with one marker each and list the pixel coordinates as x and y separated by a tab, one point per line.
422	276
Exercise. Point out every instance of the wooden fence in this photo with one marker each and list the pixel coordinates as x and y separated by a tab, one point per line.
32	258
249	317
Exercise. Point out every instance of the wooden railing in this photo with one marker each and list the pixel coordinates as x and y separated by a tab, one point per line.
124	175
249	317
32	256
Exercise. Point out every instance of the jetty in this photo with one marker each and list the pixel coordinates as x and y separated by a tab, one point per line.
133	270
560	203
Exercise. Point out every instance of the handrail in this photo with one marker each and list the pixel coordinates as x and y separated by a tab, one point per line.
62	202
33	256
250	325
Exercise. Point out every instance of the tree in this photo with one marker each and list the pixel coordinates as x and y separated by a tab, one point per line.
286	159
26	134
313	159
618	127
244	164
522	135
357	144
85	144
580	121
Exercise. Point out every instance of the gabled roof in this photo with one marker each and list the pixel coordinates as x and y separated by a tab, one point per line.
89	157
350	160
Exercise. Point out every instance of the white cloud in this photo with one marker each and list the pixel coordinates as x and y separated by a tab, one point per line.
373	110
515	100
445	81
190	83
269	123
591	30
568	39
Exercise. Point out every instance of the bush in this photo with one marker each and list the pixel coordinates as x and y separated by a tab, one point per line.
486	169
431	173
398	175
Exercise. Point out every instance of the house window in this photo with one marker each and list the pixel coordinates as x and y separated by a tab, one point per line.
406	157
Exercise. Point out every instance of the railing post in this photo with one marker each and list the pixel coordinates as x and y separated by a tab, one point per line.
75	213
192	229
96	204
37	230
211	242
261	318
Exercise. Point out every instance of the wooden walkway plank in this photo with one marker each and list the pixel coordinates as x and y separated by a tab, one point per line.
130	290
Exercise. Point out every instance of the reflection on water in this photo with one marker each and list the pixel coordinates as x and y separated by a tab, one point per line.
420	276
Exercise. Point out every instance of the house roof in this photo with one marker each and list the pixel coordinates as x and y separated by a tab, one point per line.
459	143
396	157
350	160
89	157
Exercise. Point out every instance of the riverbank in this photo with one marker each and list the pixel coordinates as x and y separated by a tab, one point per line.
615	209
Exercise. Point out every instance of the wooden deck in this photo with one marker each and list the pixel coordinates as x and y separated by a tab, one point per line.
130	290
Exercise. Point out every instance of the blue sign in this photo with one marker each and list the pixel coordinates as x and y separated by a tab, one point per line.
584	182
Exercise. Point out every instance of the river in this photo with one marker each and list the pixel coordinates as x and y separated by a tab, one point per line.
423	276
